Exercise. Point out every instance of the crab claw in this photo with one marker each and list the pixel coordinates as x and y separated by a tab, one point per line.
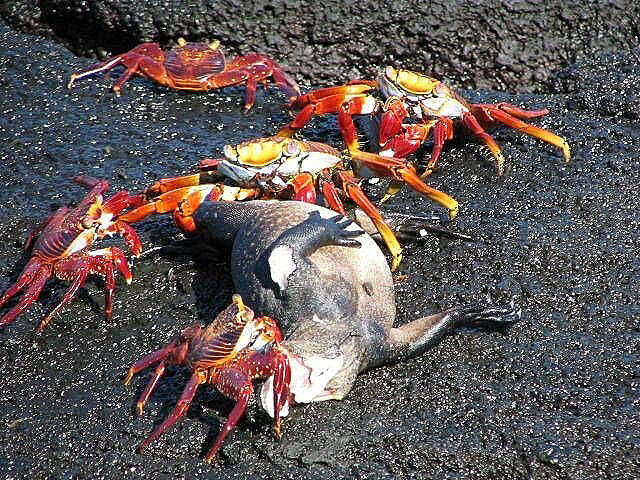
400	170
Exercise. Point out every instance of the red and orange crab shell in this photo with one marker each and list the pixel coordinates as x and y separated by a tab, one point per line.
235	349
195	67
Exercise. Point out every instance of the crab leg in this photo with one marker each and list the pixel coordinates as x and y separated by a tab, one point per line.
125	77
304	188
121	200
100	67
259	68
77	267
391	121
330	100
399	170
344	105
37	281
181	408
172	183
512	110
130	236
33	268
285	82
77	282
472	124
251	89
281	381
105	262
346	91
249	75
183	202
236	385
442	131
149	360
330	193
498	115
356	106
153	382
108	271
355	193
170	201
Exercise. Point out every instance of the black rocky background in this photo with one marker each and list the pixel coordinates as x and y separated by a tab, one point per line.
557	396
497	44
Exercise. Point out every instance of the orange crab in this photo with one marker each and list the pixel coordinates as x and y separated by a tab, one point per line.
285	168
414	107
196	67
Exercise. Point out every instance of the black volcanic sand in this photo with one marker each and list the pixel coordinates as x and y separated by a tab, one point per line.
498	44
557	396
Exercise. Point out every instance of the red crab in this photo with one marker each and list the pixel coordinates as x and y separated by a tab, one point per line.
235	349
280	167
432	107
196	67
60	248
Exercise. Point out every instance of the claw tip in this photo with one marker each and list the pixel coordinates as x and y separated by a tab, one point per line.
395	263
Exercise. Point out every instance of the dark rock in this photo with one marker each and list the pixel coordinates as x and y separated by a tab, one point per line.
556	396
497	44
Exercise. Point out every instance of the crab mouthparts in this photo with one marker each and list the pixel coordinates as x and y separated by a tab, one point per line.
309	378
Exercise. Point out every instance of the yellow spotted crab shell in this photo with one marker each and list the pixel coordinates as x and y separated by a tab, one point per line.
422	95
411	82
262	152
271	162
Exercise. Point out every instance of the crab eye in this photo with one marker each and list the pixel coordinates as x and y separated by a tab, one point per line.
87	222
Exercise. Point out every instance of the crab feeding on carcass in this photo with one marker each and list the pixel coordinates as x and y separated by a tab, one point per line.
235	349
61	248
429	105
285	168
328	286
195	67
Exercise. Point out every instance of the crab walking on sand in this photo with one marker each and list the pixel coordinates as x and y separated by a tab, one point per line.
196	67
